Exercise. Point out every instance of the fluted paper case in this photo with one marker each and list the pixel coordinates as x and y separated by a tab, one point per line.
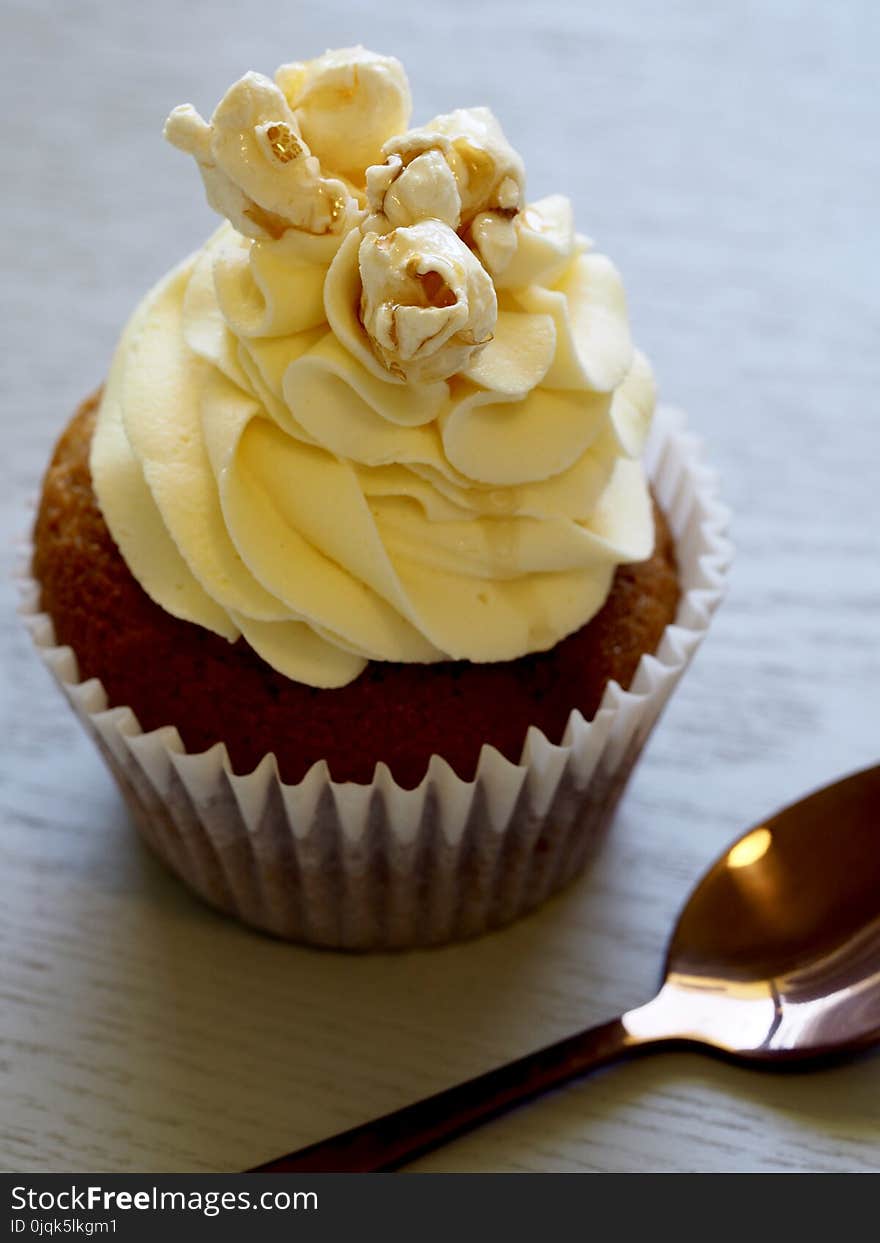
377	866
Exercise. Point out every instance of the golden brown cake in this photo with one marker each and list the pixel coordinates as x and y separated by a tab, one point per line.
172	672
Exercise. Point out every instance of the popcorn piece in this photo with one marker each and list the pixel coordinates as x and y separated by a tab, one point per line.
399	195
544	244
348	103
257	168
428	305
488	175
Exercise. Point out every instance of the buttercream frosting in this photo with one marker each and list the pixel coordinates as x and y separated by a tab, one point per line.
390	411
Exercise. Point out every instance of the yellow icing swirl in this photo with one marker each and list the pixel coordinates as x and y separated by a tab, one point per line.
307	440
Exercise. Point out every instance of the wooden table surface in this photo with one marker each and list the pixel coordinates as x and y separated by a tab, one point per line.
726	157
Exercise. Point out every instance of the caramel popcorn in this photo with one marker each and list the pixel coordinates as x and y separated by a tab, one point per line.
257	168
482	171
348	103
428	305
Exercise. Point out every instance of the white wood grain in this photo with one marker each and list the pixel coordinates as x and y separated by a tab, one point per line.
726	156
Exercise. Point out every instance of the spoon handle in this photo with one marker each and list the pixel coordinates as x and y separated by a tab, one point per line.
391	1141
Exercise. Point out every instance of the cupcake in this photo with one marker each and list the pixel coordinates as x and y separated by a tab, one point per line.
370	568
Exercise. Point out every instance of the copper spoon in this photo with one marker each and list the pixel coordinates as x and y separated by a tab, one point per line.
775	960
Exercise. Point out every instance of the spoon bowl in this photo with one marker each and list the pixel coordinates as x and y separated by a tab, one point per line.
774	961
776	954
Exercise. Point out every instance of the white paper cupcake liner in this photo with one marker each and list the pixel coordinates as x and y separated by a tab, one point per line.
377	866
